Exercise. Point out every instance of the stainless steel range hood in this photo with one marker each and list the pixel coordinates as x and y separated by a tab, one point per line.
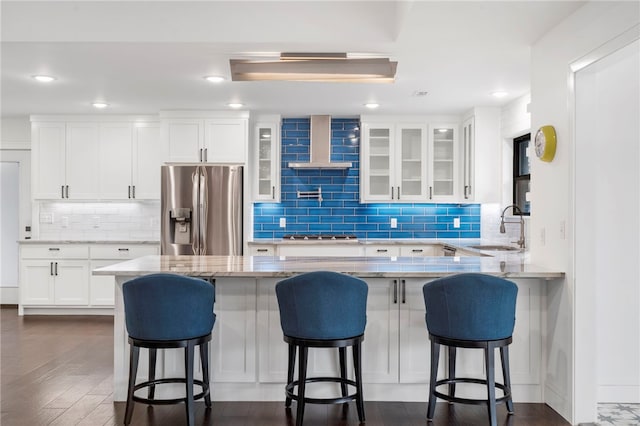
320	148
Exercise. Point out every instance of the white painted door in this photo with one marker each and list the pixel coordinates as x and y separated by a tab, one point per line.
101	287
381	340
71	282
225	140
233	348
185	138
115	161
36	282
82	161
149	153
414	338
48	153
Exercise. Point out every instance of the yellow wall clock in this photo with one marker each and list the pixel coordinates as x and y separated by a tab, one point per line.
545	143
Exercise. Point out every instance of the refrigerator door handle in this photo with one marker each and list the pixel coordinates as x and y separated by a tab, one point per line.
195	187
204	210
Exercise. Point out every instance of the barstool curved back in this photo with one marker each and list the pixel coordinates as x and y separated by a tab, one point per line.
470	311
323	309
165	311
322	305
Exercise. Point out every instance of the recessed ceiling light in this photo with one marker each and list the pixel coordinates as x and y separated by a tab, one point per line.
100	105
499	94
44	78
419	93
372	105
235	105
214	78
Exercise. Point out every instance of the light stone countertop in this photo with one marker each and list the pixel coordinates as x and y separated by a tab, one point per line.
511	266
32	241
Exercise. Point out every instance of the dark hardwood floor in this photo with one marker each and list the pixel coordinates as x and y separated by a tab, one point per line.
57	370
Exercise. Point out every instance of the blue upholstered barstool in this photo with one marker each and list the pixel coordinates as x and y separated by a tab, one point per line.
164	311
471	311
323	310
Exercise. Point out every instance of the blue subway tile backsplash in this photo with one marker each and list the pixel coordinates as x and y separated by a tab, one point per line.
340	211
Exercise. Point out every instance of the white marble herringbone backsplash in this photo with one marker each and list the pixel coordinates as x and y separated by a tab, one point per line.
99	221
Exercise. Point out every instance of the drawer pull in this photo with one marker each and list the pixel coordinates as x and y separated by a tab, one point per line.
54	249
262	250
382	250
123	249
417	251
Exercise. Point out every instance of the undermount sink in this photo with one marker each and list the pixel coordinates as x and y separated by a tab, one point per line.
495	248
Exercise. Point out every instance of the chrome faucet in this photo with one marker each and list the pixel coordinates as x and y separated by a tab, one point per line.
520	242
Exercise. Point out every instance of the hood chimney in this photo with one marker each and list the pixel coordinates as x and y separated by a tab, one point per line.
320	147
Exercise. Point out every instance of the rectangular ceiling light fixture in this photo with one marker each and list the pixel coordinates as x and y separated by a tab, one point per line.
322	67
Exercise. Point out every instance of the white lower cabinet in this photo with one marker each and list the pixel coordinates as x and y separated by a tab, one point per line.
319	249
58	276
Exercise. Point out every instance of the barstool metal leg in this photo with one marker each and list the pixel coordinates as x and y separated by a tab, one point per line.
343	369
435	357
134	355
491	383
204	360
452	371
302	377
188	367
290	368
152	371
504	356
357	367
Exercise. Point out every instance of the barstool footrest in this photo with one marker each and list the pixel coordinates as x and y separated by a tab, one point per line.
167	401
338	400
472	401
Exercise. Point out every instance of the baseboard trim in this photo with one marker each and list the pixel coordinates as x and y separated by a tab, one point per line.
627	394
9	295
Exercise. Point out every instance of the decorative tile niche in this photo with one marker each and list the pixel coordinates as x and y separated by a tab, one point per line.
340	212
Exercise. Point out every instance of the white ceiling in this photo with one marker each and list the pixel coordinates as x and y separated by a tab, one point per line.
147	56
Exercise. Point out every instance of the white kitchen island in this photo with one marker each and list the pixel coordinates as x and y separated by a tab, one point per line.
249	357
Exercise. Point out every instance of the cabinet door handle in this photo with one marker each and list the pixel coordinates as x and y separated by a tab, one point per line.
206	152
273	192
398	193
404	291
56	269
133	191
51	268
392	188
431	192
123	249
395	291
61	191
54	249
129	188
201	155
67	189
382	250
466	191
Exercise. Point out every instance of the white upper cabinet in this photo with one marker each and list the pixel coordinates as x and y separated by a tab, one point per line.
65	160
267	161
480	152
443	170
91	158
206	137
48	160
394	162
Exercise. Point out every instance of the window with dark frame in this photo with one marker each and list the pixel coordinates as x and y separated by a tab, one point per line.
521	173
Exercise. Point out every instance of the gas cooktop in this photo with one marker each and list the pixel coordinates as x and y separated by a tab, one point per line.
318	237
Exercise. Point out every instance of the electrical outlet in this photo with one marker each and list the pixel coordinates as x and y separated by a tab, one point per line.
456	222
95	221
394	222
64	221
283	222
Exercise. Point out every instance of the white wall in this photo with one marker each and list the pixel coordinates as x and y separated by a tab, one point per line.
15	133
607	225
9	223
569	389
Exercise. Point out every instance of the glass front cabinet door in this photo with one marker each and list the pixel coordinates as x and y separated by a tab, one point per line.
443	170
267	159
377	159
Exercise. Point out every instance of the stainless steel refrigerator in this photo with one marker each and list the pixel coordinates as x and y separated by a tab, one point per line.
201	209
